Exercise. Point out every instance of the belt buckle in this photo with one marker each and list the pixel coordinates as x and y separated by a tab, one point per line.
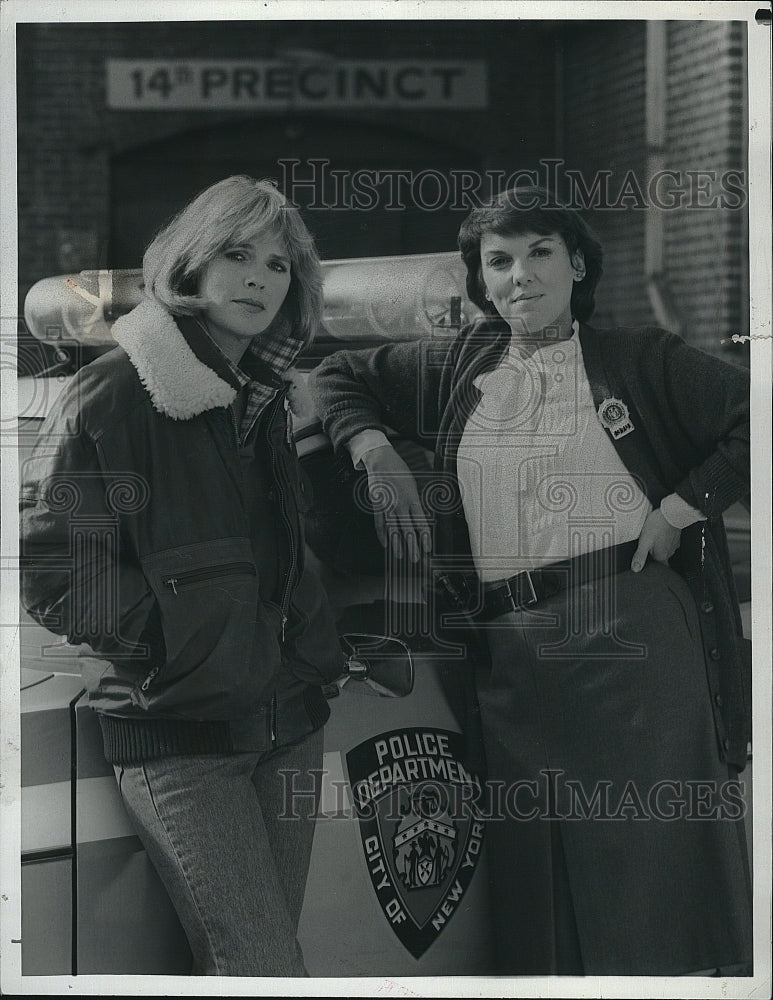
523	604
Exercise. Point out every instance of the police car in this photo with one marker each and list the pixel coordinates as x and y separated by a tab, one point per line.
397	885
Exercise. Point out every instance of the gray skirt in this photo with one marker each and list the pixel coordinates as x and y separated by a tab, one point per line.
615	833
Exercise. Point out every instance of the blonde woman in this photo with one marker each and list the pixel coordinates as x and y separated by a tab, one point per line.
204	641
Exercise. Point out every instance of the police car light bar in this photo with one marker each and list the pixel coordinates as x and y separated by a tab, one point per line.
365	299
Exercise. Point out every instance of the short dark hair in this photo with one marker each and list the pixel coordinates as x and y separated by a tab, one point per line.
531	209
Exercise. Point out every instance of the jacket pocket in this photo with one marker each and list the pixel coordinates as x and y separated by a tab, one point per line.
222	651
207	574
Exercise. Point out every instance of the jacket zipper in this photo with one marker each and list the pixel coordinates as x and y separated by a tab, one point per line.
149	679
281	400
284	605
181	580
192	576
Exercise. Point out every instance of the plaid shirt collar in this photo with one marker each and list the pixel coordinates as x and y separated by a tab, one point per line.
258	374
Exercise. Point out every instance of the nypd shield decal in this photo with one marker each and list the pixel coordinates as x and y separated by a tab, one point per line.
420	827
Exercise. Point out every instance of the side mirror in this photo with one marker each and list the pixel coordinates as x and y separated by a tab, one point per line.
376	666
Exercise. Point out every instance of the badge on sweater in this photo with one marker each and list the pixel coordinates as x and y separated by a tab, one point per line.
613	414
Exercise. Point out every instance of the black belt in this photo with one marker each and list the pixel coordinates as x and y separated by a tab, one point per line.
532	586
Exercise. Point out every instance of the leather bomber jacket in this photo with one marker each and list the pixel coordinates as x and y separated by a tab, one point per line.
136	546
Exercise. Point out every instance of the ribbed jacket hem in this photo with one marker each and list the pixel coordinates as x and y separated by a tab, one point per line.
129	741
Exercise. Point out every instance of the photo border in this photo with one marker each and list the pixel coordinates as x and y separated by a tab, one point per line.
13	12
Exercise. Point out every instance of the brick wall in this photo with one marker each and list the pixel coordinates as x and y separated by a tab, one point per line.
68	138
67	135
605	128
706	131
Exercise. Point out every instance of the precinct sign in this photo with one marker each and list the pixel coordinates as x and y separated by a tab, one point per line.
420	827
215	84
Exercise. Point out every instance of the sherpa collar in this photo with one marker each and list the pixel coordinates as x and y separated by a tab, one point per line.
179	385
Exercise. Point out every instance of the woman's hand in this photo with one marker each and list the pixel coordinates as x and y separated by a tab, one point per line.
658	538
298	395
398	514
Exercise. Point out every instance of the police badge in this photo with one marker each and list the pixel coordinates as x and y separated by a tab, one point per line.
613	414
420	827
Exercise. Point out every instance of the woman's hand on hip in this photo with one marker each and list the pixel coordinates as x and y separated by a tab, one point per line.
398	514
658	538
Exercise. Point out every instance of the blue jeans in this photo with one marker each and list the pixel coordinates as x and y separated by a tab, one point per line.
221	833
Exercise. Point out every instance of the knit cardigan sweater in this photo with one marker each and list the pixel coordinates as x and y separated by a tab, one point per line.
690	413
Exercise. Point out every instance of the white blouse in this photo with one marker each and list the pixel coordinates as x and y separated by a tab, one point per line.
539	476
540	479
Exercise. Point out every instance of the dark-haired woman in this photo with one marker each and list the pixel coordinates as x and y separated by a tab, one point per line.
590	469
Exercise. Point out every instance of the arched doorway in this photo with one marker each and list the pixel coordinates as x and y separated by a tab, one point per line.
152	181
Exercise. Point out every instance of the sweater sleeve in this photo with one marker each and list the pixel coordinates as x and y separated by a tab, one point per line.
710	399
395	386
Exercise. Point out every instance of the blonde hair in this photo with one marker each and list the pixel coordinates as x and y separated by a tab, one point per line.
232	212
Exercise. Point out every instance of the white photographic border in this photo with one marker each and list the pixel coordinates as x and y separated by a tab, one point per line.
761	295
